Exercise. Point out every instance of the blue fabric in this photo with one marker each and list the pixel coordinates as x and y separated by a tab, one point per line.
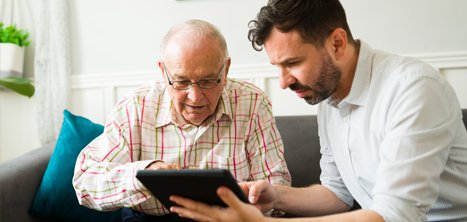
129	215
56	196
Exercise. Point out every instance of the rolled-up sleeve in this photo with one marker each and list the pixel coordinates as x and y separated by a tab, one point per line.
104	176
330	176
266	149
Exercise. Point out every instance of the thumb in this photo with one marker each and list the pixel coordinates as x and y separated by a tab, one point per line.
229	198
255	191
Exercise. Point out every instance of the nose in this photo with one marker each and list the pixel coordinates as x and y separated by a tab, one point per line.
195	94
285	78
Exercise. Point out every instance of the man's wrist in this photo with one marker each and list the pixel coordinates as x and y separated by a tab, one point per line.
276	204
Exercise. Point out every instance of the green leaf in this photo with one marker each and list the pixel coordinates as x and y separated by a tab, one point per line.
12	35
17	80
19	85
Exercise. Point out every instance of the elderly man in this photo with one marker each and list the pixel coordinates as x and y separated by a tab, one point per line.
195	117
390	127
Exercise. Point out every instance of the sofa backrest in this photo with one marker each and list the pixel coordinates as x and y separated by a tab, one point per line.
464	117
301	147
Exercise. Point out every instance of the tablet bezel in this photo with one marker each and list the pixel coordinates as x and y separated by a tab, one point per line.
199	185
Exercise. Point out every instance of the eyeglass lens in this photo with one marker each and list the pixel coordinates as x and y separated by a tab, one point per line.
205	84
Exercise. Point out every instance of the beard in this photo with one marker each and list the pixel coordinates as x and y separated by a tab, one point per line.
326	84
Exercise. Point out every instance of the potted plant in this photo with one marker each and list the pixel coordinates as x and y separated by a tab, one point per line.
12	46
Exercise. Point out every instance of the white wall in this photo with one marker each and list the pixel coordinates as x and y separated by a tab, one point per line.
115	47
18	128
123	36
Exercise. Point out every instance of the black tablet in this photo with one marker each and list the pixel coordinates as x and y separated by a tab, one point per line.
199	185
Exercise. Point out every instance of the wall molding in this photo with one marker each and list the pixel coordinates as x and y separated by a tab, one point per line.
82	81
444	60
255	73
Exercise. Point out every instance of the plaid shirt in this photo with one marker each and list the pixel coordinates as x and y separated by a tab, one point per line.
241	136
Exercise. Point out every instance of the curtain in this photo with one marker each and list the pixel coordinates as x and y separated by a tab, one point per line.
52	68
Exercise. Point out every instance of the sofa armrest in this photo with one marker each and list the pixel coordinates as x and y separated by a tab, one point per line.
19	180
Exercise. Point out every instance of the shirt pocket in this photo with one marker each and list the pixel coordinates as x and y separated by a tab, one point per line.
237	165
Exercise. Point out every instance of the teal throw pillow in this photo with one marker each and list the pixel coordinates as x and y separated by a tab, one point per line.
56	197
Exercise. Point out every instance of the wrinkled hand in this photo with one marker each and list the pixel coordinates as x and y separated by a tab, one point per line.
159	165
260	193
237	210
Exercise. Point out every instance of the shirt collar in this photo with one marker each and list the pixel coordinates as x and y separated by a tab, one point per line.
168	114
224	105
164	106
361	82
224	108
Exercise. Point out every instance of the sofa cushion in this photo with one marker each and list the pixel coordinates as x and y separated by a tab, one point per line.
301	148
56	197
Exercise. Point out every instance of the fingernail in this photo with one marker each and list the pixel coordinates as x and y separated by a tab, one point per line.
252	199
223	192
173	199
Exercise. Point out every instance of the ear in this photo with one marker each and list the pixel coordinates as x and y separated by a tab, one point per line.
161	67
226	72
337	44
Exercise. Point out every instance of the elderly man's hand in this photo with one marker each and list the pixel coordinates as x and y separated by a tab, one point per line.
237	210
159	165
260	193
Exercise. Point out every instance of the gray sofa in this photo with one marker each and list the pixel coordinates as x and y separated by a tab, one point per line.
20	177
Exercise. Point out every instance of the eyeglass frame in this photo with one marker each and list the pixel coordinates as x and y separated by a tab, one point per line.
191	83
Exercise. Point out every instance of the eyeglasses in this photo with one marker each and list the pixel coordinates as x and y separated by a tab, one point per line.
204	84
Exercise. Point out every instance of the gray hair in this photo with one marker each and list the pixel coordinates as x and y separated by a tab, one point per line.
193	31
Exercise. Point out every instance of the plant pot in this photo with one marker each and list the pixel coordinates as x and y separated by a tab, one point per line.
11	60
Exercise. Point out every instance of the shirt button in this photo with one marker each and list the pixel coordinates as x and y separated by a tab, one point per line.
364	193
347	157
346	119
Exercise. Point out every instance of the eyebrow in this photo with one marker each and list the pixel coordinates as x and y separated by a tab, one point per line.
288	60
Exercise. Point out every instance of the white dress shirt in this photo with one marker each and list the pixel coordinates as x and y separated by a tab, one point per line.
396	143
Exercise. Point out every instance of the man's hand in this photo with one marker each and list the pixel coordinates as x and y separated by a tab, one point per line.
237	210
260	193
160	165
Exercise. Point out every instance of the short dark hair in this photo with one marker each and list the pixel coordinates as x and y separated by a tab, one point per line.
314	20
